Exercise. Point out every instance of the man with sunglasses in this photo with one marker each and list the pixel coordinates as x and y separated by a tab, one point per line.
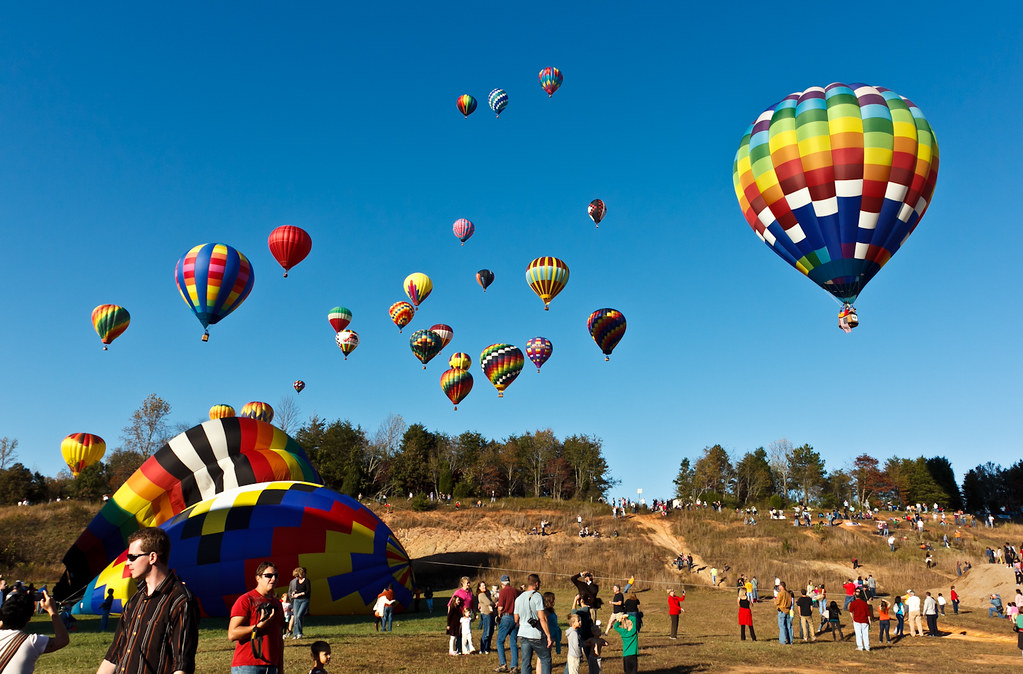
257	627
159	627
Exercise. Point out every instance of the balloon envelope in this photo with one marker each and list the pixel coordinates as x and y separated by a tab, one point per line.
484	277
418	287
460	361
425	344
203	461
289	245
463	229
550	80
607	327
539	349
299	385
547	276
466	104
502	363
216	545
339	318
445	332
401	313
221	412
81	450
498	101
456	384
834	179
257	410
597	210
347	341
109	321
213	279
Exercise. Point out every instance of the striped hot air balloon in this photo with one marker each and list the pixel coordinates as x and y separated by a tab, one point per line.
466	105
498	101
213	279
463	229
456	384
550	80
339	318
110	321
547	276
221	411
502	363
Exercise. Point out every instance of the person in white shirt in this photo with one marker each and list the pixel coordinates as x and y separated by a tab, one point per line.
20	650
913	614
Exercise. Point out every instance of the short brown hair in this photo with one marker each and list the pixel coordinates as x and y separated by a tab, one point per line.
263	566
153	539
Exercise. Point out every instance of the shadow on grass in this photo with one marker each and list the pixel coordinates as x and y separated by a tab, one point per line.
444	569
682	669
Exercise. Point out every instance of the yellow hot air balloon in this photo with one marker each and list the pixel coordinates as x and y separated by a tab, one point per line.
418	287
257	410
547	276
81	450
221	411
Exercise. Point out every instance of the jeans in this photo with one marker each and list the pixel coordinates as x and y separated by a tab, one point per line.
507	628
254	669
387	617
487	625
848	600
932	624
901	622
543	653
862	636
784	628
299	609
885	631
955	606
992	612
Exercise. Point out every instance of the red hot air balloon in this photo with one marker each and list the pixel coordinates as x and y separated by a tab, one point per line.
289	245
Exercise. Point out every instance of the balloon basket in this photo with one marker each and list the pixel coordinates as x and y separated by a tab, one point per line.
546	307
456	408
500	394
607	359
104	348
205	336
285	274
424	367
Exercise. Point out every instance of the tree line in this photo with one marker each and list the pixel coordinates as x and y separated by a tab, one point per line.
784	473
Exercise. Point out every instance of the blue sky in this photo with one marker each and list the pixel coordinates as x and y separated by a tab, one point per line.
130	133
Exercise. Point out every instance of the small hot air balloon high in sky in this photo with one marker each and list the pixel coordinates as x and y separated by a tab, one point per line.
463	229
466	105
597	211
257	410
547	276
401	314
110	321
347	340
418	287
213	279
445	332
550	80
460	361
539	349
502	363
607	327
339	318
299	385
484	277
425	344
81	450
498	101
221	411
456	384
289	245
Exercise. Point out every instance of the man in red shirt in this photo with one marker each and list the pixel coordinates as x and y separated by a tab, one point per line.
674	610
850	592
861	621
257	625
506	626
954	596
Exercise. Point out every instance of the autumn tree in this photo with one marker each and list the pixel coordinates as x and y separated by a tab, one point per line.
713	471
867	477
147	431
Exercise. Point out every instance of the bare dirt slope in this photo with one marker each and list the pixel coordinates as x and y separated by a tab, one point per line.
977	585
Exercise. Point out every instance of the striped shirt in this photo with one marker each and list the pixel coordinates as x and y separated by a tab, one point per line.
158	633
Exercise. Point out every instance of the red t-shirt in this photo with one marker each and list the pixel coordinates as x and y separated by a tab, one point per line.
675	604
271	635
850	589
506	600
860	611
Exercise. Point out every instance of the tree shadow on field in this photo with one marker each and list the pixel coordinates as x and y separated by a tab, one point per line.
444	569
682	669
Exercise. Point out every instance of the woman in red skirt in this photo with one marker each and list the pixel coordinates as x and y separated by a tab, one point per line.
745	617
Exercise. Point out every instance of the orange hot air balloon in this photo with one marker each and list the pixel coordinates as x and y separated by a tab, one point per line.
221	411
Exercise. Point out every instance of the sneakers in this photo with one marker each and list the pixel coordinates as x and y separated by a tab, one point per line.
502	668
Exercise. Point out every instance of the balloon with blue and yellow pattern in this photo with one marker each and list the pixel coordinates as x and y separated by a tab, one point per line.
213	279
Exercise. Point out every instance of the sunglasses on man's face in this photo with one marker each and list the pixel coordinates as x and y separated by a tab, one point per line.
270	575
132	558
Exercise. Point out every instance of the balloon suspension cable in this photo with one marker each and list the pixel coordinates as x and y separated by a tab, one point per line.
554	574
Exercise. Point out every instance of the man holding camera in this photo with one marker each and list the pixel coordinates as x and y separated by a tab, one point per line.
534	633
257	627
159	627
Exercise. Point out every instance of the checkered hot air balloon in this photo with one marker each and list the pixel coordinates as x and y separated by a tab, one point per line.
425	344
347	341
539	349
834	179
466	105
547	276
401	313
502	363
597	210
550	80
607	327
498	101
109	321
213	279
299	386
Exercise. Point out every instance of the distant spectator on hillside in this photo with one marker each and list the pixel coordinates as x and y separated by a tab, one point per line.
996	608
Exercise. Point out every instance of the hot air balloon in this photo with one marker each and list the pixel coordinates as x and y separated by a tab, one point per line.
550	80
347	340
218	543
445	332
192	467
257	410
463	229
466	105
418	287
501	363
539	349
456	384
81	450
213	279
484	277
289	245
401	314
498	101
339	318
607	327
298	385
221	411
834	179
460	361
547	276
110	321
597	211
425	344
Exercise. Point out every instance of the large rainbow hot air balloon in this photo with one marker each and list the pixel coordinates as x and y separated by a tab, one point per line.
539	349
456	384
547	276
607	327
347	341
213	279
466	105
463	229
110	321
425	344
550	80
339	318
502	363
834	179
597	210
221	411
81	450
498	101
418	287
289	245
257	410
401	314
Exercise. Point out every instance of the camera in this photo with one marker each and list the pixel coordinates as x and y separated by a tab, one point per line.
535	623
265	609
